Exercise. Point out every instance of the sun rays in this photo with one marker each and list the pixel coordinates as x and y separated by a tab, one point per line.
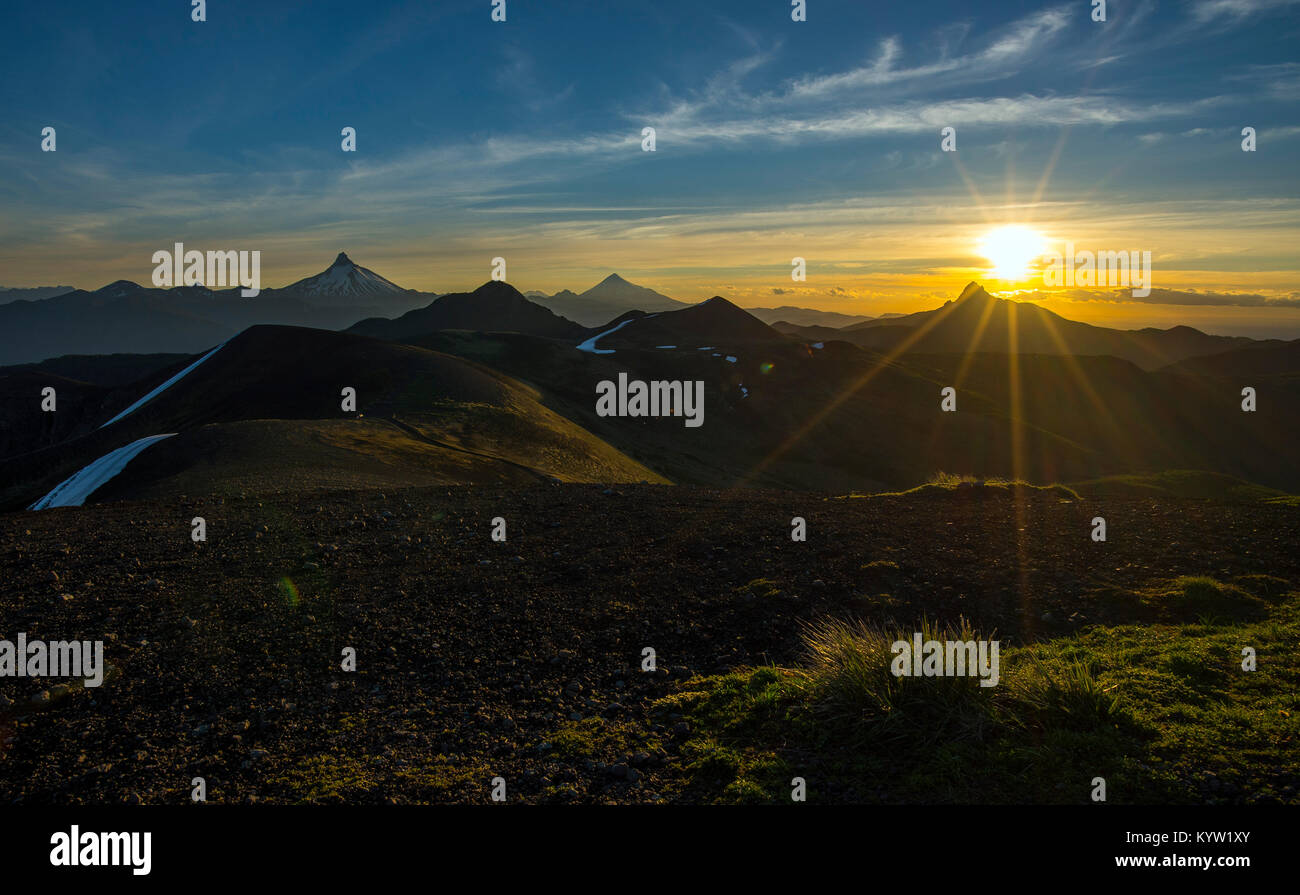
1013	248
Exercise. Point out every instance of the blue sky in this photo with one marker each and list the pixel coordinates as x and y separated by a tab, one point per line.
775	139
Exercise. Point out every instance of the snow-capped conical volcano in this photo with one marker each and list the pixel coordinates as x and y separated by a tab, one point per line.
344	282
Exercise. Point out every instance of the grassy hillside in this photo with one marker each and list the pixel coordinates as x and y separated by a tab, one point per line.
274	456
265	412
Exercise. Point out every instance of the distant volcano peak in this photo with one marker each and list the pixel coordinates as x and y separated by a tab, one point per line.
344	281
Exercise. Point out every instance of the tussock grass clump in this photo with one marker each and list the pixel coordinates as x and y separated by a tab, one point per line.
849	682
1055	691
951	479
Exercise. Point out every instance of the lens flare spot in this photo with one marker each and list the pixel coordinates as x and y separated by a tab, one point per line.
289	591
765	368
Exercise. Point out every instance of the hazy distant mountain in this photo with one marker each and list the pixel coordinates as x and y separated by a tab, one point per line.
493	307
32	293
616	290
807	316
128	317
1256	361
978	322
808	333
107	370
606	300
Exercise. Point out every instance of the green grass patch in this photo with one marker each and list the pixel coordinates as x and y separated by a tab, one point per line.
441	780
598	738
1205	598
325	779
1183	483
1152	709
945	484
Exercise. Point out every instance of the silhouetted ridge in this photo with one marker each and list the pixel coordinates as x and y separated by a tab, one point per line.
978	322
496	306
716	322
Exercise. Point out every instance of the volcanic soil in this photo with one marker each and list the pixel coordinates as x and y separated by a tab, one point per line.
477	659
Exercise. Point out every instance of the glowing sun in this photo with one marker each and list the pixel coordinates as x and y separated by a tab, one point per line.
1011	250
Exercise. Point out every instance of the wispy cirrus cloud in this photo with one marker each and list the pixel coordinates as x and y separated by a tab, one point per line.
1231	11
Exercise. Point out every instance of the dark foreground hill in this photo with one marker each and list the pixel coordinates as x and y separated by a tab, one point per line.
1276	362
265	411
522	659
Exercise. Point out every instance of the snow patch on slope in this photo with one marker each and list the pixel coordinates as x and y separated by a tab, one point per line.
162	388
590	345
73	491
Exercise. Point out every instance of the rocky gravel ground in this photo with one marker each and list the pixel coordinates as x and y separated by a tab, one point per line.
478	659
